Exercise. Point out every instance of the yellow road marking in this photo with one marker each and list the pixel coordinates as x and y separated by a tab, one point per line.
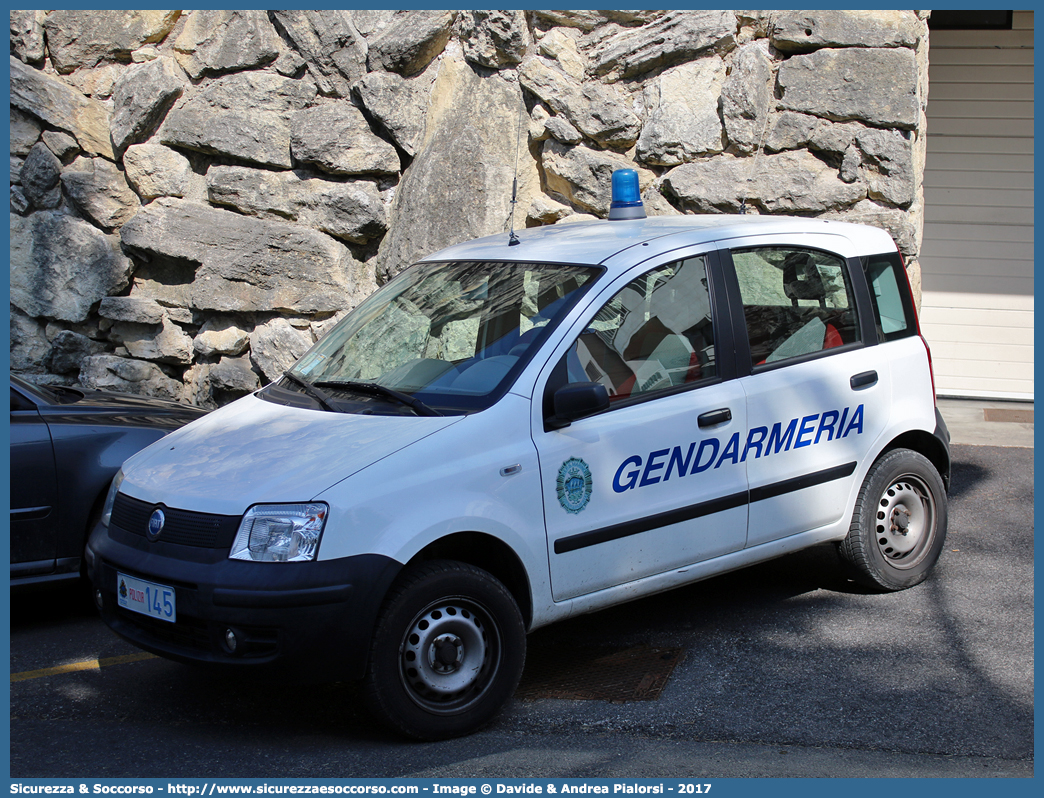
85	665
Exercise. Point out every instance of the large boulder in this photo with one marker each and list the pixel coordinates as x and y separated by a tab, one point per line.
61	266
584	176
459	185
671	39
246	116
111	373
493	39
888	166
100	192
562	47
683	120
876	86
62	106
599	112
747	100
39	177
80	38
27	35
801	31
25	132
29	344
410	41
220	335
790	182
333	49
353	211
132	309
213	42
68	351
258	192
901	225
247	264
165	342
157	171
63	145
97	82
335	137
233	375
398	104
590	20
276	346
789	131
141	98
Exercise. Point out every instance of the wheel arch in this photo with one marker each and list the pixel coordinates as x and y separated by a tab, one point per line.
928	445
490	554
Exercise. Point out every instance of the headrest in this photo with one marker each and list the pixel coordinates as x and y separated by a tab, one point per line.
801	278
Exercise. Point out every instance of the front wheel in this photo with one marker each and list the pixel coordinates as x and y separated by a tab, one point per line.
899	524
447	653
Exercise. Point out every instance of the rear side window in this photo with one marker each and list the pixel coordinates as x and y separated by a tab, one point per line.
796	302
890	294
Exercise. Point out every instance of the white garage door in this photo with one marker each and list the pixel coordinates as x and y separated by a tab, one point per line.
977	252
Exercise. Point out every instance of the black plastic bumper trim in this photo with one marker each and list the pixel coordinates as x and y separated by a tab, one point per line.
688	513
224	597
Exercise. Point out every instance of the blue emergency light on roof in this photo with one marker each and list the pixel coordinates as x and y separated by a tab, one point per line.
627	199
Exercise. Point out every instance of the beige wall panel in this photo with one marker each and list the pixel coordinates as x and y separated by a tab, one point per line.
977	250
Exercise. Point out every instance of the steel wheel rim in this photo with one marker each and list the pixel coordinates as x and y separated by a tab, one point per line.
448	655
904	521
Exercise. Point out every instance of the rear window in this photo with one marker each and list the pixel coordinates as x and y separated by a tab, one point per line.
796	302
890	293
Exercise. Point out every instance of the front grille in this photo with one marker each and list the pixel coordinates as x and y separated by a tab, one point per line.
184	527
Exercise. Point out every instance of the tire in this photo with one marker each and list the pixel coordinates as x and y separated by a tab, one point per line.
899	524
447	653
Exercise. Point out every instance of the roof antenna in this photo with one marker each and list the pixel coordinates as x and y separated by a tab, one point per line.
753	165
512	238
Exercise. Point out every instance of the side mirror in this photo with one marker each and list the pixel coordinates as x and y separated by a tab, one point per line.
578	400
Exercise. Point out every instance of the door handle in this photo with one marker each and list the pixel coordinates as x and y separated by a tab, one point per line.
862	380
712	417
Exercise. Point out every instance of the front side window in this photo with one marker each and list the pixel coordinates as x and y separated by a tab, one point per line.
795	301
447	334
653	335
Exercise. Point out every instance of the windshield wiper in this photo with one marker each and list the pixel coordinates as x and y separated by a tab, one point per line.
387	393
311	390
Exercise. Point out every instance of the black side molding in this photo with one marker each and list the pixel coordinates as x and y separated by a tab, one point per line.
639	525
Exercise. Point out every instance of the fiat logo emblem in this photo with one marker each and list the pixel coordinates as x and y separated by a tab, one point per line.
156	521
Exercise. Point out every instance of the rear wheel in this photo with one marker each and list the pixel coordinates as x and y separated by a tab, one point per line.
447	653
899	524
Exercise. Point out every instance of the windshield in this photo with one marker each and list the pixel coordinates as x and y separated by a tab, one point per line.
451	335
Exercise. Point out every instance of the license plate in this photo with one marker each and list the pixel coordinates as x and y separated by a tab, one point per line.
148	598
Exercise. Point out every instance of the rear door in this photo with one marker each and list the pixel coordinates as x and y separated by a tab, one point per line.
651	484
817	387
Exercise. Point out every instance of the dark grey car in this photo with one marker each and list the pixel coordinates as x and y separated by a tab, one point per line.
66	446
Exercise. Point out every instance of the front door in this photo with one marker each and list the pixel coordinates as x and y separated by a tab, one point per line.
654	483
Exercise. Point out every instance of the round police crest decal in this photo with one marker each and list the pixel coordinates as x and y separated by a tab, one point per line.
574	485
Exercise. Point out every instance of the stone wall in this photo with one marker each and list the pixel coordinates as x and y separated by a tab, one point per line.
197	196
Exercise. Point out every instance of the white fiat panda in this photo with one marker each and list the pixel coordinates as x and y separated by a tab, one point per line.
517	430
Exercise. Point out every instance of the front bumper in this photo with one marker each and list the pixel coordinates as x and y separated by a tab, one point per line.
314	618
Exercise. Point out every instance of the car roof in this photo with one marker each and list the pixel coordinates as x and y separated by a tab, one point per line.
594	242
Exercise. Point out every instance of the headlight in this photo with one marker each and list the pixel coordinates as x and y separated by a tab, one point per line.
114	488
280	532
